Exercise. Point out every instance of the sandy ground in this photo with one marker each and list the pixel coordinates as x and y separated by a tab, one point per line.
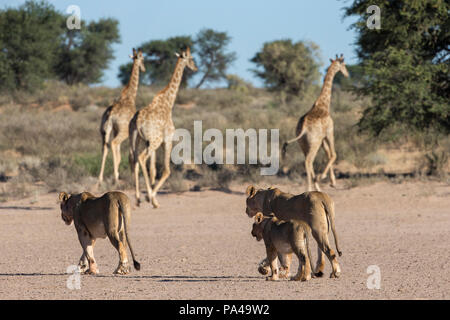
198	246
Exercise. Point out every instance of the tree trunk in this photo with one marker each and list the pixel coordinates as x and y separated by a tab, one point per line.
205	76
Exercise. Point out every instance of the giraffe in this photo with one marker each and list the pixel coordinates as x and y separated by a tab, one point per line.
116	118
315	128
153	126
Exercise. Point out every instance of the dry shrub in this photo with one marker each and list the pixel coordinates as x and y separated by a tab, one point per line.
63	149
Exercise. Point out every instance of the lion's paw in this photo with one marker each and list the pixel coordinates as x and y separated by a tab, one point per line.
123	269
263	270
272	278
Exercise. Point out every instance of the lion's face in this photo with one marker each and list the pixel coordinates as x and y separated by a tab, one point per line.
255	201
258	226
66	215
66	208
257	231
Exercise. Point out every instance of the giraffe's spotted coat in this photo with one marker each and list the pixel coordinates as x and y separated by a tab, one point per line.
153	126
116	118
316	128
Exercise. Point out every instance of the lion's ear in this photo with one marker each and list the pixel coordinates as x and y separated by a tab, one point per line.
251	190
85	196
63	196
259	217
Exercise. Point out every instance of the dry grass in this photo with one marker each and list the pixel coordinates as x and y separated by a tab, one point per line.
51	141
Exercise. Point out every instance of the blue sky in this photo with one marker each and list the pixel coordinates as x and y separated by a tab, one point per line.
250	23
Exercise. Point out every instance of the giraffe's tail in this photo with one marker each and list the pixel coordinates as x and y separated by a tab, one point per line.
284	148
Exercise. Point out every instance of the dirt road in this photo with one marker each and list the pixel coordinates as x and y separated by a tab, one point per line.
198	246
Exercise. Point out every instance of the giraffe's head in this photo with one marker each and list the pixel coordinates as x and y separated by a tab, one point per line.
339	65
187	59
138	58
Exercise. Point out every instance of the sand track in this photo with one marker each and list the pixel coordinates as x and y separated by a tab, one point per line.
198	246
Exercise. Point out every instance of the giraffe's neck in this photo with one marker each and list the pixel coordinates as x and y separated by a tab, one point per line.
130	91
324	100
171	90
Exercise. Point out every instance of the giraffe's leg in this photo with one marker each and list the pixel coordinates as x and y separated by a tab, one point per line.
136	184
114	155
133	161
106	132
309	160
166	172
143	157
115	145
117	157
153	168
328	145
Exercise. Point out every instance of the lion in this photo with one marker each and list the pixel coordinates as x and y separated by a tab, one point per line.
99	217
285	237
314	208
285	265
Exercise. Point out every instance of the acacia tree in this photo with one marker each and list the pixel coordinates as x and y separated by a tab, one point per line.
35	45
405	64
84	54
29	38
210	47
288	67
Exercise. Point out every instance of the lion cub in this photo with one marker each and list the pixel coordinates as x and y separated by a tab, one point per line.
284	237
99	217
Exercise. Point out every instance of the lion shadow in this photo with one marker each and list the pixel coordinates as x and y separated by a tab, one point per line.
181	278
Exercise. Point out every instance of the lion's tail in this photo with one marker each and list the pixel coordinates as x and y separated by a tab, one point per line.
328	204
124	209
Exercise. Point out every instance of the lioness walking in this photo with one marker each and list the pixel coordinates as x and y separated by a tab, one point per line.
105	216
314	208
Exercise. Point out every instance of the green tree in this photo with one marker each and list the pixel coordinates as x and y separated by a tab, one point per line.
35	45
210	47
349	83
29	38
84	54
161	59
405	64
287	66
